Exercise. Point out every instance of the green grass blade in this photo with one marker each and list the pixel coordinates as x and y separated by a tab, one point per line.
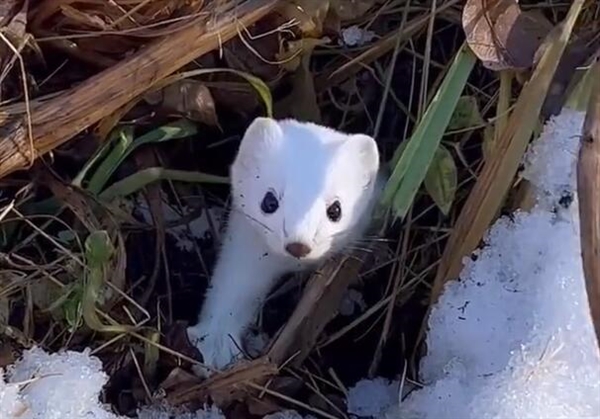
124	139
139	180
413	163
175	130
179	129
99	154
99	251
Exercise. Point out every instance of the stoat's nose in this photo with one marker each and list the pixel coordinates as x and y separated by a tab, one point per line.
297	249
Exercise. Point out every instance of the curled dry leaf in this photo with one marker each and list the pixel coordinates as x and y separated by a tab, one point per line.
188	97
501	35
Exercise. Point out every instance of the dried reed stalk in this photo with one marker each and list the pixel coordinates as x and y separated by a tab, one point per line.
588	191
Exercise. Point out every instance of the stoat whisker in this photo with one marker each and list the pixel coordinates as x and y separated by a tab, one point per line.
254	220
376	238
373	240
349	250
363	249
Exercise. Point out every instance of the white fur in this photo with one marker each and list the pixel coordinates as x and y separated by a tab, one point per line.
307	167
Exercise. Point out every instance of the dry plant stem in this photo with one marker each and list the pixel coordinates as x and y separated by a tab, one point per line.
228	385
59	119
588	191
319	304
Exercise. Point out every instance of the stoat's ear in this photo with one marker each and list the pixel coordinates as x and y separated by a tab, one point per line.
262	134
362	149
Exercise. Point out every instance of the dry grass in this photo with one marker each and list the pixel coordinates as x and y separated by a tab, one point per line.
82	265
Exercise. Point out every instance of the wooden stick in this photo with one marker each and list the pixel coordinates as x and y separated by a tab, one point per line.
319	304
59	119
588	191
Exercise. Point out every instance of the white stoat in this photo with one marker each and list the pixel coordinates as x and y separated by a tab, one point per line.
299	192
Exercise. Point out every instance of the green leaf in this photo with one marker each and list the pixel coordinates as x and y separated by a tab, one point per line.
413	164
100	153
179	129
72	308
466	114
441	180
98	249
139	180
122	142
126	145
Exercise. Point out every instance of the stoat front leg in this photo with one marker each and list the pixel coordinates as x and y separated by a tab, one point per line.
243	276
219	342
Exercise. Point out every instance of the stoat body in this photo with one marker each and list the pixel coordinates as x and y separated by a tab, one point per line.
300	191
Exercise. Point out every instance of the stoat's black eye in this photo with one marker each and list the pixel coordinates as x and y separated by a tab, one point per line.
334	211
269	203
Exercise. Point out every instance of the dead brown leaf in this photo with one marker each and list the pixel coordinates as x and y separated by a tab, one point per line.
188	97
237	96
502	35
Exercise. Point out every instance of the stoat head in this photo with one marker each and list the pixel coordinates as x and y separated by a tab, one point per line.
303	186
